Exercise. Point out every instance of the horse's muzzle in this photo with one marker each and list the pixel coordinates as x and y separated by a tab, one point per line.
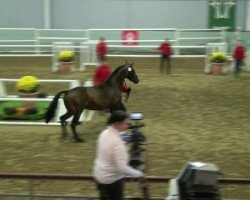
136	81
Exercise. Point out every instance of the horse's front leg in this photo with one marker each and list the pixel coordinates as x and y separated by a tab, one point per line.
73	125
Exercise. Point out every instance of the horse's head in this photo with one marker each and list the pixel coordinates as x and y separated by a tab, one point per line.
130	73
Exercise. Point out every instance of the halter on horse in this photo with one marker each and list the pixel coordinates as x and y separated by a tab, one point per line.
101	97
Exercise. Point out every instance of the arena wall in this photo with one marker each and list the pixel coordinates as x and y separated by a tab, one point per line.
82	14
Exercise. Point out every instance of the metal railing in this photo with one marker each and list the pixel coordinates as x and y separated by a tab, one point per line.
32	178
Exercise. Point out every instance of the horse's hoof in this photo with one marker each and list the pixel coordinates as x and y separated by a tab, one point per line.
63	124
79	140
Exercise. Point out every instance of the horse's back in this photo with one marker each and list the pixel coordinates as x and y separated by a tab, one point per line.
94	98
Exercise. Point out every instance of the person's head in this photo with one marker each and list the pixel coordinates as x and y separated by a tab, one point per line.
119	120
102	39
239	42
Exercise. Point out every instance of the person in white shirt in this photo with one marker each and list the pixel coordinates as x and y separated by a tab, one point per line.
111	164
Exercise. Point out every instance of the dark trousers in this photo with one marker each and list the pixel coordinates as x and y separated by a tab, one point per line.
237	68
165	66
113	191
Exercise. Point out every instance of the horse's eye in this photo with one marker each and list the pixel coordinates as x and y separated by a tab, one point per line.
130	69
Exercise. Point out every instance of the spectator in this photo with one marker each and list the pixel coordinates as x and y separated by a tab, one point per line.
102	73
165	50
111	164
239	56
101	50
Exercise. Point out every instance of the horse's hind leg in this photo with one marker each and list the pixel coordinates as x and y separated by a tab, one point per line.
63	119
73	125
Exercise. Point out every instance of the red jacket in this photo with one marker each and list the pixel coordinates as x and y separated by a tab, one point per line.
239	52
101	49
165	49
102	74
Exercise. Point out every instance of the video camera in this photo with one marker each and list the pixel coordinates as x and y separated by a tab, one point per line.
136	136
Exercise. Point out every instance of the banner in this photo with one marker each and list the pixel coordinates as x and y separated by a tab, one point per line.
130	37
221	14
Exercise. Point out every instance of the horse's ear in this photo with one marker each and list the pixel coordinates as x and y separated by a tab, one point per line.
132	64
126	62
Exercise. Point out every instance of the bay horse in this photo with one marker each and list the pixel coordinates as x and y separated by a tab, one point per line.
106	96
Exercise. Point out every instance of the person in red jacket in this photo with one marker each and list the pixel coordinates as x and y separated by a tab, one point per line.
101	49
238	55
165	50
102	74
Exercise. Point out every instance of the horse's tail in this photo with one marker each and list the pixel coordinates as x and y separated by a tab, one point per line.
52	107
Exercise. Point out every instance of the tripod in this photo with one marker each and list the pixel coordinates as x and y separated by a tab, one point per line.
137	159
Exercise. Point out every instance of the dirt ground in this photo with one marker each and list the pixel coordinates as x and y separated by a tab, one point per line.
189	116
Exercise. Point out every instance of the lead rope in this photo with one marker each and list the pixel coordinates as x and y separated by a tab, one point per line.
127	94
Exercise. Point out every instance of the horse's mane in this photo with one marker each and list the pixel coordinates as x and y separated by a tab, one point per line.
118	69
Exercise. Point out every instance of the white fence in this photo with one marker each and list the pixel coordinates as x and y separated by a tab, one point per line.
4	96
42	42
38	41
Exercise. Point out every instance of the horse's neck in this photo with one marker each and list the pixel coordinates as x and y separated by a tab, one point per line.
117	79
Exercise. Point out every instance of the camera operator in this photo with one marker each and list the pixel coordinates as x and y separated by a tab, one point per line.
111	164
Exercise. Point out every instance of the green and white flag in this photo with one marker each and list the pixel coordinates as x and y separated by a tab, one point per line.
221	14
